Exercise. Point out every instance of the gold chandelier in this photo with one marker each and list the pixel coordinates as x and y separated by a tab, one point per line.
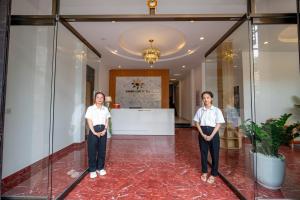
151	54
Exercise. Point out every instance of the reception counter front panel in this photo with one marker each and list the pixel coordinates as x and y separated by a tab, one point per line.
143	121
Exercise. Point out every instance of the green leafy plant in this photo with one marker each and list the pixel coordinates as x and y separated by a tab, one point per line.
269	136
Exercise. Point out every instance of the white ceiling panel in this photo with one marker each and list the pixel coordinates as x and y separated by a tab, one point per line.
122	43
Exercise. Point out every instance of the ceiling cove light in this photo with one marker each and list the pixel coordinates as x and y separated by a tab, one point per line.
151	54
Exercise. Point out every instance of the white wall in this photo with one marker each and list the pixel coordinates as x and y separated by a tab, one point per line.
275	6
189	85
211	77
103	81
246	89
186	97
27	116
27	112
31	7
197	87
277	81
72	58
69	103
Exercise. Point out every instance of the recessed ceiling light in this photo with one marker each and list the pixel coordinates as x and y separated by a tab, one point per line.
113	21
266	42
115	51
192	21
183	66
176	74
201	38
190	51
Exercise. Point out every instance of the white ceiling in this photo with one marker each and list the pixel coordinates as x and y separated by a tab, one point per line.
174	39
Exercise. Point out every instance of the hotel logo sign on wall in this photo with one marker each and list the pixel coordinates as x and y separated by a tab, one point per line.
137	86
142	92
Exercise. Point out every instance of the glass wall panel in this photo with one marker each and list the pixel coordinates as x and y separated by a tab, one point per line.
31	7
227	75
277	93
275	6
73	60
27	112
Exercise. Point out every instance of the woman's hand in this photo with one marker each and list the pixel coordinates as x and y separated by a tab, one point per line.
102	133
208	138
98	134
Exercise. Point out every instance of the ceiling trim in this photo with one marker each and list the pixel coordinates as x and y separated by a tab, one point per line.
270	18
36	20
161	17
80	37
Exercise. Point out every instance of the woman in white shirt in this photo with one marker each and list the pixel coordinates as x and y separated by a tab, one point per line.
97	117
208	121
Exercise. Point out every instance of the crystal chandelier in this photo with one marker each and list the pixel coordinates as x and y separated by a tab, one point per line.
151	54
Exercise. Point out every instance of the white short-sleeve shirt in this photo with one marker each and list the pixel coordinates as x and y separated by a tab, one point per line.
97	115
209	116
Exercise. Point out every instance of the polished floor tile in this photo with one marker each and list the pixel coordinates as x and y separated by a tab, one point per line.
158	167
57	177
152	167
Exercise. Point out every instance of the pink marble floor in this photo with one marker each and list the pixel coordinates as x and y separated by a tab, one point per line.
158	167
64	171
152	167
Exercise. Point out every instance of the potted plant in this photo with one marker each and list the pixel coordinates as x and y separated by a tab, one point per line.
266	138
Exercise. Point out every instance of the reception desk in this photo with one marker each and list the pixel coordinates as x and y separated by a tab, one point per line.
143	121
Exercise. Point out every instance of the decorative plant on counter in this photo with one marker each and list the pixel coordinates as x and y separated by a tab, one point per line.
269	136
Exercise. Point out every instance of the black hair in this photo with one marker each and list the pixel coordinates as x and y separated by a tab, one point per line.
207	92
99	93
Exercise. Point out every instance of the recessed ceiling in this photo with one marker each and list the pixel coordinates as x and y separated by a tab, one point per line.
122	43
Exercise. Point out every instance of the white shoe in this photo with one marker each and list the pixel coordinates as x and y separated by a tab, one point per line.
93	175
101	172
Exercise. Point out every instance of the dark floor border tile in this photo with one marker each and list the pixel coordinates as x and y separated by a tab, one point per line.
72	186
231	186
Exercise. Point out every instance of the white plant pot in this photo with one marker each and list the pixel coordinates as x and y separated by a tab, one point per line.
108	134
269	171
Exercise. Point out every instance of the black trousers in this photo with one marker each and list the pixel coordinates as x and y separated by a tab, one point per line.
96	149
213	146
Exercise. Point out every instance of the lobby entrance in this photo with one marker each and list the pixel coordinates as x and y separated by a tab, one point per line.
56	54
